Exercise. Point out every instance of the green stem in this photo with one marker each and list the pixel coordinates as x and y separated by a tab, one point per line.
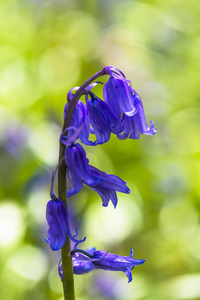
68	278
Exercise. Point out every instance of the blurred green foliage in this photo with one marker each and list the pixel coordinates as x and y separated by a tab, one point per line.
48	47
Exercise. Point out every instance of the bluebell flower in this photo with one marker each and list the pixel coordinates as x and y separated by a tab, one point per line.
58	221
89	260
107	185
80	119
98	112
136	124
102	119
117	93
78	169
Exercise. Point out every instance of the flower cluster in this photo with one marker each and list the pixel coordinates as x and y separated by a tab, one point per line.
121	113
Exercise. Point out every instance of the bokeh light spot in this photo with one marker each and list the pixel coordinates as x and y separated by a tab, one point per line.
54	281
186	286
29	262
43	142
37	205
113	225
190	120
59	68
11	224
178	219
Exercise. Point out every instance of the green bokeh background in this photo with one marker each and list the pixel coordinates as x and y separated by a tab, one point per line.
48	47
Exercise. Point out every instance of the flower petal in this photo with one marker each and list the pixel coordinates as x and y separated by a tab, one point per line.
99	117
83	263
82	267
77	164
80	117
106	195
134	126
107	185
117	94
76	183
57	218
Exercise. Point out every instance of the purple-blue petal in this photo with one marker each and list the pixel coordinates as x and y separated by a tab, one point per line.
113	262
102	136
109	95
117	94
57	219
56	216
128	274
99	119
107	185
77	163
134	126
83	117
82	267
106	195
75	181
80	117
105	261
116	183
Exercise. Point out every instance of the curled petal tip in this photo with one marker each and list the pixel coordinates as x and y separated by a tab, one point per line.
131	253
70	95
75	235
89	87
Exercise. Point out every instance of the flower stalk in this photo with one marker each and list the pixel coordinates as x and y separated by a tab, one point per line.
68	278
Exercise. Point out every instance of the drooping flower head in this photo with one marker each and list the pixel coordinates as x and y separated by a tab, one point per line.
79	171
135	125
121	112
117	93
89	260
126	102
107	185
